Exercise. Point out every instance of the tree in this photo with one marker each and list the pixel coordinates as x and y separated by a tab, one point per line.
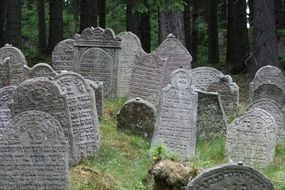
194	34
88	14
2	22
187	24
42	26
132	17
144	28
102	13
279	12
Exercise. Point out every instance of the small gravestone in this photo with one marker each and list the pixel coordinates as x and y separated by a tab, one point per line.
130	47
62	56
16	56
175	53
6	96
275	110
211	120
147	77
97	87
137	116
42	70
176	119
230	177
83	113
251	138
34	153
11	73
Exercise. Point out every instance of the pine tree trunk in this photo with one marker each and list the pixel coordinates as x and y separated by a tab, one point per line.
194	36
187	24
88	14
132	18
2	22
144	29
279	12
102	13
42	26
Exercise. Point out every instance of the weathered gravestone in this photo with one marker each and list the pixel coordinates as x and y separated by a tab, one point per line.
211	120
42	70
147	77
137	116
11	73
230	177
27	72
176	118
44	95
275	110
83	113
97	87
252	138
13	53
175	53
34	153
269	83
62	56
130	47
6	96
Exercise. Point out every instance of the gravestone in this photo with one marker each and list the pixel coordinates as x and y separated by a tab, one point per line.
44	95
130	47
147	77
211	120
11	73
16	56
97	87
62	56
251	138
275	110
175	53
42	70
230	177
34	153
137	116
27	73
176	118
6	96
83	113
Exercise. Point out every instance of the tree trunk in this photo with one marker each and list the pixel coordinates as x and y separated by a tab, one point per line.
13	23
88	14
42	26
213	43
194	36
132	18
2	22
102	13
144	29
279	12
250	6
55	23
187	24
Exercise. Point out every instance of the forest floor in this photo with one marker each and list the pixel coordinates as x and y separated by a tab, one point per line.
124	160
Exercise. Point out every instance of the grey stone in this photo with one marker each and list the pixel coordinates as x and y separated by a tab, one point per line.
97	87
251	138
34	153
130	47
83	113
137	116
27	73
13	53
6	97
42	70
230	177
62	56
176	118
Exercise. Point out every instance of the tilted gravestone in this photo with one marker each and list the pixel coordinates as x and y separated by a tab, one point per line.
130	47
42	70
6	96
44	95
62	56
83	113
275	110
176	118
137	116
251	138
230	177
34	153
147	77
269	83
175	53
211	120
97	87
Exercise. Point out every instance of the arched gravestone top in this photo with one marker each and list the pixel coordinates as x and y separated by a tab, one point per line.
6	95
42	70
62	55
275	110
230	177
175	124
34	153
268	91
175	53
14	53
137	116
251	138
130	47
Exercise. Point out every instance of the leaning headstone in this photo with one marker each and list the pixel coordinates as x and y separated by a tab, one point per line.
211	120
230	177
176	118
6	96
62	56
275	110
130	47
83	113
13	53
251	138
175	53
97	87
137	116
34	153
42	70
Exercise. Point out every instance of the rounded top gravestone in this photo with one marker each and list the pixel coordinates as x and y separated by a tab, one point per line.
42	70
14	53
62	55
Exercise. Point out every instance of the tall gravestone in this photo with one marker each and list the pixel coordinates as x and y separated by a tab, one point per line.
176	118
34	153
44	95
251	138
230	177
62	56
175	53
83	113
130	47
137	116
147	77
42	70
6	96
97	87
